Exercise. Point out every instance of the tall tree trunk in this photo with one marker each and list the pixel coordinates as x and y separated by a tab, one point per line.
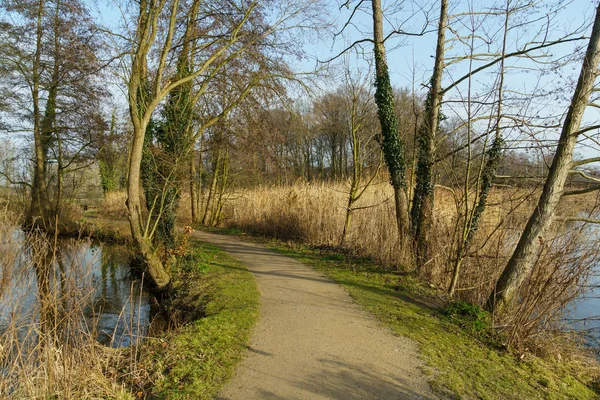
213	188
200	172
218	203
423	197
40	203
49	125
60	178
391	142
522	260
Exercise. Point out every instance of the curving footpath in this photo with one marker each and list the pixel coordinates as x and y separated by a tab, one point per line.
313	342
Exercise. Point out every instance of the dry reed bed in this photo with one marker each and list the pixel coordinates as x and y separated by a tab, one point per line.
48	349
314	214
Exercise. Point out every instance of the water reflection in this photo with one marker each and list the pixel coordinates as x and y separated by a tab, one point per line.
81	287
120	305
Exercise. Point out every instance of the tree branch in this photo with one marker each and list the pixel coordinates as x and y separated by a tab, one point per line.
509	55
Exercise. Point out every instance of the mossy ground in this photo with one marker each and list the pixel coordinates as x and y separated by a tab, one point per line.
195	360
460	365
463	358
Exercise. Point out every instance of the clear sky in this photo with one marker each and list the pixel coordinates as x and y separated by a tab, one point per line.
410	59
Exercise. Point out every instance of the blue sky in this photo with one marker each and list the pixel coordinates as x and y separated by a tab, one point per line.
410	59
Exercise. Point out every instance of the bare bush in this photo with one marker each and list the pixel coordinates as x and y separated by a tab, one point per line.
113	205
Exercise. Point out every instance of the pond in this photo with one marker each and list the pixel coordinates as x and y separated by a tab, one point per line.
86	287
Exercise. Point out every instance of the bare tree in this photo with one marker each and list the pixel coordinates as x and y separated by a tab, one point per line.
233	29
49	62
523	258
362	134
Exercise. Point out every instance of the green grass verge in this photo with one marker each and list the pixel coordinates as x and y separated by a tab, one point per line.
459	365
195	360
461	360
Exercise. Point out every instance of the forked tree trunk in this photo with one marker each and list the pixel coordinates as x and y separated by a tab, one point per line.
523	258
140	111
152	262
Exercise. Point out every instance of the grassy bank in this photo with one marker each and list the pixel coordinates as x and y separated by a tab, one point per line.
212	308
464	359
216	304
467	366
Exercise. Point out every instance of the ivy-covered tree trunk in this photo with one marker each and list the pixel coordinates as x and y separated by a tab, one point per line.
522	261
391	142
423	196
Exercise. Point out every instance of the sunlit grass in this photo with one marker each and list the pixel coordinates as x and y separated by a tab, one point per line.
195	360
458	363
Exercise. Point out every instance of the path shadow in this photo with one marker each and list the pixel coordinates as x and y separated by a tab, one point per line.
338	380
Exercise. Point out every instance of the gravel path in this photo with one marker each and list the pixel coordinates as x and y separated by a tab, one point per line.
313	342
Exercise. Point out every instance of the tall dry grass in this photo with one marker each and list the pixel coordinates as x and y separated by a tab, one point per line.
314	214
48	347
114	205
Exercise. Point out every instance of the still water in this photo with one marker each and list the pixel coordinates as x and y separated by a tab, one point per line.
583	314
89	283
